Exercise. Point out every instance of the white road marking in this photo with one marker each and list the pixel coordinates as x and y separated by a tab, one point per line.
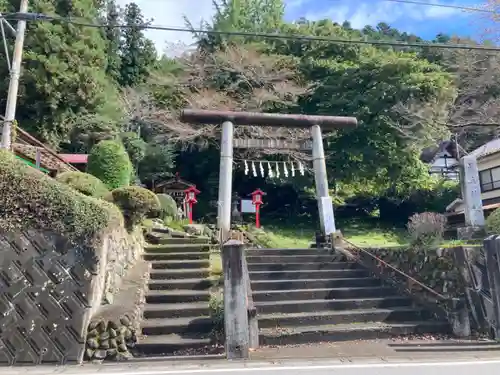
350	366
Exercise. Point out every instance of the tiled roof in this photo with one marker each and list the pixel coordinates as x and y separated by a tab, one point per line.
47	160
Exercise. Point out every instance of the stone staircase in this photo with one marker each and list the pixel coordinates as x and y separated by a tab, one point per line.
176	318
312	295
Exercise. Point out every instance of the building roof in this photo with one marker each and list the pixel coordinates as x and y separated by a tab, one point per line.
74	158
175	183
47	160
429	154
489	148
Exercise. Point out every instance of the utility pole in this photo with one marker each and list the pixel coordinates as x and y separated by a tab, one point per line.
15	71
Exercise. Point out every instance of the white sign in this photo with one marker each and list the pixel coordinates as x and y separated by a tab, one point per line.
247	206
471	191
326	212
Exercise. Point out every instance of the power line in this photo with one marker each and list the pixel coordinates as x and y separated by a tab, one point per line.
293	37
441	5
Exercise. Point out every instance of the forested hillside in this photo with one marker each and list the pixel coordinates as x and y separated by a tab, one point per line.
80	85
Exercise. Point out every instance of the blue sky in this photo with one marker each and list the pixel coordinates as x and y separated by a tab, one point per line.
426	21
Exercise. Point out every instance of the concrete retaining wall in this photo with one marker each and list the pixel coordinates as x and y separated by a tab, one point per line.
51	288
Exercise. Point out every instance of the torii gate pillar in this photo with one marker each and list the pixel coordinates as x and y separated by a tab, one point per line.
229	119
225	181
325	205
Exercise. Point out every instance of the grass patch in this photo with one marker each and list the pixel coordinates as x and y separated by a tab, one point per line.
283	237
301	235
177	224
215	264
372	235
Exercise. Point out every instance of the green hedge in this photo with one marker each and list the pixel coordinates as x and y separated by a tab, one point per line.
109	162
136	204
168	206
493	222
84	183
30	199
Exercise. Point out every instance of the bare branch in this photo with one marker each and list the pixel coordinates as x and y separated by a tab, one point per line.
239	79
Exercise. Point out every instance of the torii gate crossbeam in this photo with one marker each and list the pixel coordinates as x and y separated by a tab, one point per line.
228	119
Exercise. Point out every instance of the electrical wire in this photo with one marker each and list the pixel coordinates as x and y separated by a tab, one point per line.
292	37
441	5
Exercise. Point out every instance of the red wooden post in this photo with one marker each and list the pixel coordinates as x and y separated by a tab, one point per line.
191	193
257	215
190	212
257	201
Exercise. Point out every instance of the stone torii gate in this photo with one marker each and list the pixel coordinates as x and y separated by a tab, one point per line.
228	119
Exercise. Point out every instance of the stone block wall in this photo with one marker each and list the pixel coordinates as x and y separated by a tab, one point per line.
435	268
50	288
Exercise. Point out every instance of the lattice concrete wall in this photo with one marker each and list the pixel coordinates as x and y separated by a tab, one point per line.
48	291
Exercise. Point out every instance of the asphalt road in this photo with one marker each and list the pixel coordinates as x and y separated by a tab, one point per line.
468	367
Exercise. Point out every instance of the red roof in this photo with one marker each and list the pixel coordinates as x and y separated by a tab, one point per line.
74	158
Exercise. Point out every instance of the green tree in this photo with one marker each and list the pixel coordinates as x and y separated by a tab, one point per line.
135	146
63	71
113	38
157	163
138	53
242	15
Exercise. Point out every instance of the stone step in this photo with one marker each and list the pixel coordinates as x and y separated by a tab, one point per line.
174	274
171	232
176	310
290	252
273	259
338	304
180	264
296	266
183	241
189	327
188	248
395	314
312	274
269	285
167	344
176	256
177	296
190	284
327	294
348	332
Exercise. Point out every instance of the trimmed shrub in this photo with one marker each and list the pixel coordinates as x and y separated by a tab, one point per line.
136	203
427	229
30	199
493	222
109	162
84	183
168	206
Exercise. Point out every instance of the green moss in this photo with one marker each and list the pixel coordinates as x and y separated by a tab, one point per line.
30	199
136	203
84	183
109	162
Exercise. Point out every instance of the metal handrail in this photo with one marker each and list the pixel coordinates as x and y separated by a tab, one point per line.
412	279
